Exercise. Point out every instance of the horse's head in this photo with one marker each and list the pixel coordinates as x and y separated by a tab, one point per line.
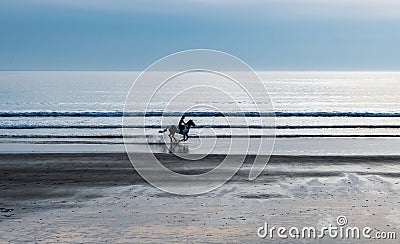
190	123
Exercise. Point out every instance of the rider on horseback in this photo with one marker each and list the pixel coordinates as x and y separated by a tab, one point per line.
182	124
183	129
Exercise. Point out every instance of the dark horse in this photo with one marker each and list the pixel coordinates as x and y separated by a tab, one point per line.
173	130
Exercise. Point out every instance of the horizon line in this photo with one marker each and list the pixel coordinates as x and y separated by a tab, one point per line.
257	70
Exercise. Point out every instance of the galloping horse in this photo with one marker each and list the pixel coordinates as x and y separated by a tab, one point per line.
173	130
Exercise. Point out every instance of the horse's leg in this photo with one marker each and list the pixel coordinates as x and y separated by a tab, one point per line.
170	137
173	136
170	134
172	131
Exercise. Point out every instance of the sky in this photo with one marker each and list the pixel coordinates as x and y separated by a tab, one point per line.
268	35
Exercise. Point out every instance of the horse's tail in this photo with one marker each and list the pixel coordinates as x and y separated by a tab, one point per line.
162	131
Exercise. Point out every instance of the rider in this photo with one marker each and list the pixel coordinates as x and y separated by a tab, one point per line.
182	124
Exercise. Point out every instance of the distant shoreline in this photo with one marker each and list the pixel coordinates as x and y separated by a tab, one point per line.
277	156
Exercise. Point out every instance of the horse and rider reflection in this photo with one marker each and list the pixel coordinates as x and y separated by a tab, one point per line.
177	148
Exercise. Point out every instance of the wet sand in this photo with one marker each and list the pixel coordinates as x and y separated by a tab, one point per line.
100	198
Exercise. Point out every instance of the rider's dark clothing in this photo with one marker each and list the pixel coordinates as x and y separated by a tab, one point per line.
181	125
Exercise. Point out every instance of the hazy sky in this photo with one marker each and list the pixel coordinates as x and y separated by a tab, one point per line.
269	35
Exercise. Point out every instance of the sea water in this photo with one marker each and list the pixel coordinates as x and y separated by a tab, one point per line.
329	113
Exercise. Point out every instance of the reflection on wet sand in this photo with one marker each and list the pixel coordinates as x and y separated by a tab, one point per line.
174	148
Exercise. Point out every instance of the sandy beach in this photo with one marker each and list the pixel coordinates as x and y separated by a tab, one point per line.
100	198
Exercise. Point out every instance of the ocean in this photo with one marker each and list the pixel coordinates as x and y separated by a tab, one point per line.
323	113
